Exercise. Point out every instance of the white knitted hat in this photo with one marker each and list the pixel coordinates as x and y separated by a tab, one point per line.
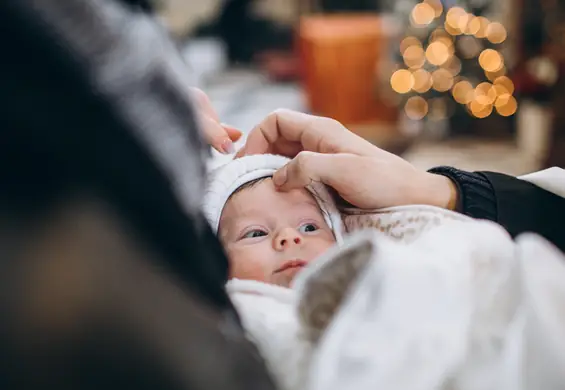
225	180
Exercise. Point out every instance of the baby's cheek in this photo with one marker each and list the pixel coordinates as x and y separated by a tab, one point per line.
324	244
246	266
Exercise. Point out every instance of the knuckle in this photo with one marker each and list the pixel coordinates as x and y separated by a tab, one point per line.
280	111
274	116
331	123
303	159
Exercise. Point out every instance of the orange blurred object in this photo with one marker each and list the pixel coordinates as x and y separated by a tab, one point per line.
339	58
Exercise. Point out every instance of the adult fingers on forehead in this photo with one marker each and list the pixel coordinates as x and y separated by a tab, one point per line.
301	171
339	171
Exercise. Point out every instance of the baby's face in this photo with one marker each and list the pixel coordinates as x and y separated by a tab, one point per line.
270	235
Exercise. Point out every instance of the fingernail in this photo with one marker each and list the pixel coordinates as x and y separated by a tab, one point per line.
227	147
279	178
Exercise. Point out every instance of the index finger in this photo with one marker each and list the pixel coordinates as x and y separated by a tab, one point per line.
203	103
288	132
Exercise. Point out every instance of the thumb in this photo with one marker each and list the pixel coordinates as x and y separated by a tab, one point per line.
302	170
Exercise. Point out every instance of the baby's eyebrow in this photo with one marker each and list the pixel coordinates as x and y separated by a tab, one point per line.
229	224
312	203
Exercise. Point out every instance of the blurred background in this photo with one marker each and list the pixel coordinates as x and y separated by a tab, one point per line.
477	84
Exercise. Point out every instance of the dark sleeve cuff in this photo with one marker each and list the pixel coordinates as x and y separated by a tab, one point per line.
525	207
476	197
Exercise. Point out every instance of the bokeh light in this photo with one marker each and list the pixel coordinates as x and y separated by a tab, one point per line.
506	105
485	94
432	64
506	83
443	36
416	108
457	18
479	110
442	80
491	60
473	26
544	69
453	65
463	92
414	57
500	90
422	81
408	42
436	6
478	26
496	33
422	14
437	53
491	76
402	81
451	30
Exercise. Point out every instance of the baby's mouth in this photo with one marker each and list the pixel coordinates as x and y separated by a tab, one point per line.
297	263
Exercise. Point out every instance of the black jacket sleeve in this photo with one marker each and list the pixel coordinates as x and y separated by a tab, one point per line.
517	205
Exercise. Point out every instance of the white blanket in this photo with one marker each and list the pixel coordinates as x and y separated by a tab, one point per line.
551	179
465	307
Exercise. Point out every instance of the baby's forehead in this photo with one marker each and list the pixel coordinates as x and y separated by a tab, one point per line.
262	194
265	188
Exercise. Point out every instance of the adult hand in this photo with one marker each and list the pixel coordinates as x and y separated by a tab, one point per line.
324	150
220	136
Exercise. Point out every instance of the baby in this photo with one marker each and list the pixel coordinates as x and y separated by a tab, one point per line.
269	235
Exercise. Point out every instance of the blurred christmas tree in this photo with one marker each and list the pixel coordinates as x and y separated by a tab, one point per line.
452	63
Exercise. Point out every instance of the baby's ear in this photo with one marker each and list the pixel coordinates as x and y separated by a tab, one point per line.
322	287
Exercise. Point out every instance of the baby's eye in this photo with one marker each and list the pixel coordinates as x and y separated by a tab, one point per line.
254	233
307	228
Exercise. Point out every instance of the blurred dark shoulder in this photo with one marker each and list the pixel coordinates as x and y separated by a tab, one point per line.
102	169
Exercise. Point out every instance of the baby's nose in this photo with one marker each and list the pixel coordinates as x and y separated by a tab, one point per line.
288	237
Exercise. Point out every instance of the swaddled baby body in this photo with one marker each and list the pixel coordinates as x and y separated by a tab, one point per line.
454	304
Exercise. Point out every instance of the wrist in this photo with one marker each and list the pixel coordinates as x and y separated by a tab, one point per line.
441	192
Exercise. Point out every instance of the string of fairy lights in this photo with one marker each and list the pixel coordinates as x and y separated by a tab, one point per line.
434	63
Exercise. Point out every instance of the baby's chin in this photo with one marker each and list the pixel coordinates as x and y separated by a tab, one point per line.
285	278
